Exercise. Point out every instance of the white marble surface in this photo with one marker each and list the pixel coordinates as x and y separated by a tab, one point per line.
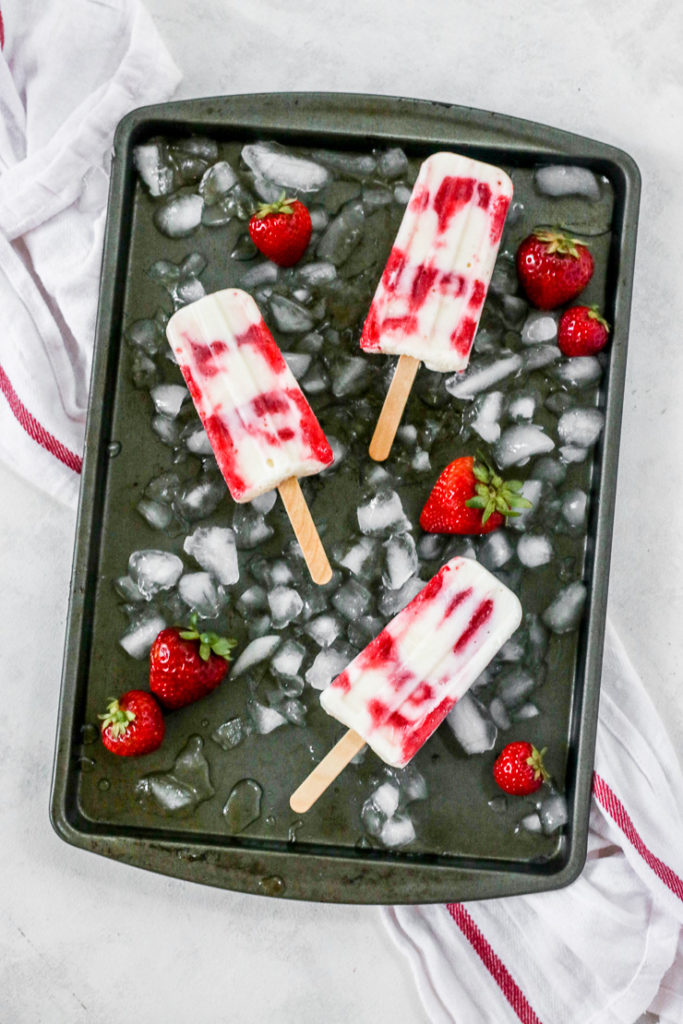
74	929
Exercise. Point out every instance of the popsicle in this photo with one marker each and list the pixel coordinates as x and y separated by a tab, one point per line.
261	428
429	300
398	690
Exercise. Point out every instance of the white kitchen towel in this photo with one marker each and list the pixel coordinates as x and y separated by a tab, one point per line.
68	74
608	947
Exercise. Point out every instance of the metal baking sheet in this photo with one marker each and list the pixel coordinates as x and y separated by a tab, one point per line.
465	847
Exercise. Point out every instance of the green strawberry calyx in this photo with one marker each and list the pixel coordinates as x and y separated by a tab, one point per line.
558	242
282	205
594	314
492	493
208	642
535	761
116	718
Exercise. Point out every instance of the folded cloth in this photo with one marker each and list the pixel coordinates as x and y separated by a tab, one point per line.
68	73
603	950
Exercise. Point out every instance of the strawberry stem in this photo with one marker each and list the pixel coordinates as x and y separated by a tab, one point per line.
535	761
116	719
281	205
594	314
208	642
557	241
493	494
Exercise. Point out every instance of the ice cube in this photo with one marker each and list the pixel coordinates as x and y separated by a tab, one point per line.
499	713
189	291
504	278
488	409
319	217
349	165
392	163
126	588
168	398
350	376
531	823
153	166
250	527
179	216
254	653
180	790
401	561
139	637
265	719
157	515
471	725
574	505
251	600
560	180
382	515
230	734
539	327
294	711
397	831
402	195
524	713
243	806
263	503
537	356
285	604
196	440
197	146
213	547
534	550
578	372
288	659
413	785
289	316
571	453
201	595
551	470
216	182
166	429
317	273
564	613
145	335
520	443
480	377
272	161
553	813
154	570
372	818
495	551
374	197
581	427
522	407
343	234
358	559
429	546
514	685
326	667
393	601
198	498
324	629
298	362
386	799
352	600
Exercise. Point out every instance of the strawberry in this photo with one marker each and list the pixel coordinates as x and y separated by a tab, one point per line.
519	769
582	331
469	497
185	664
133	724
281	230
553	268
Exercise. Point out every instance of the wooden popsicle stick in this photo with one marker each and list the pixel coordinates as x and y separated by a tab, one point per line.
304	528
393	407
315	784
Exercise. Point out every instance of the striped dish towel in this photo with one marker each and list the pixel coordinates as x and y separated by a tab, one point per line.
607	948
68	73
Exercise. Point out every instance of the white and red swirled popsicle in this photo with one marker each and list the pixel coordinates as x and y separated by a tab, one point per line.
261	428
429	300
398	690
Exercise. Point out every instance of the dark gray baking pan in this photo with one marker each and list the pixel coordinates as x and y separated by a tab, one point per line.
219	813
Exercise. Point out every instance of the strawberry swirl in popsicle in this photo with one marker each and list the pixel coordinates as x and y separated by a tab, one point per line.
398	690
261	428
429	300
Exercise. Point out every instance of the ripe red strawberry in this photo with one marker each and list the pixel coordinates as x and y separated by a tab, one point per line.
519	769
582	331
281	230
185	664
133	724
553	268
469	497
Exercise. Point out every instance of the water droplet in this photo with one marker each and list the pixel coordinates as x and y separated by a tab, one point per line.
89	733
205	723
272	886
293	829
270	820
113	449
243	805
498	804
104	785
85	764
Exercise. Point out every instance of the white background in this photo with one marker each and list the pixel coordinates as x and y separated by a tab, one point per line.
87	940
